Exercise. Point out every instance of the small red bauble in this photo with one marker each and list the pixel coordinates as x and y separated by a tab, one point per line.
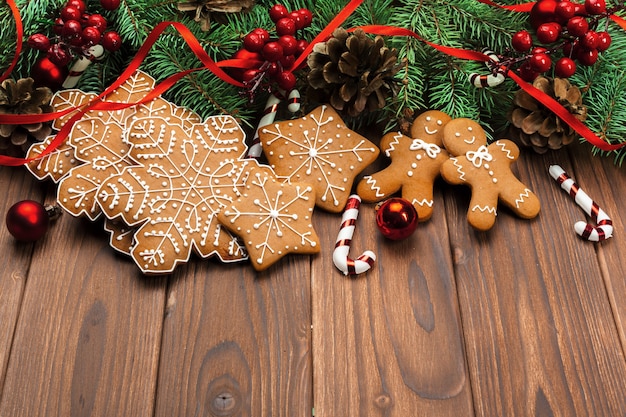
79	4
289	44
542	12
27	220
110	4
98	21
564	11
71	28
70	13
48	74
522	41
264	34
91	35
396	218
540	62
306	16
527	73
298	19
111	41
587	57
286	26
59	55
590	40
286	80
272	51
604	41
302	45
253	42
565	67
549	32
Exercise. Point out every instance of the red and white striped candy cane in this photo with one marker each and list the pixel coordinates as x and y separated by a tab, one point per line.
269	114
490	80
92	54
604	228
342	248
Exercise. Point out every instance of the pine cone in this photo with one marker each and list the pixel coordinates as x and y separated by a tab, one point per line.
536	126
20	98
353	72
203	9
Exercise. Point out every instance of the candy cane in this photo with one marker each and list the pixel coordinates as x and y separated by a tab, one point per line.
81	65
490	80
604	228
342	247
269	114
294	101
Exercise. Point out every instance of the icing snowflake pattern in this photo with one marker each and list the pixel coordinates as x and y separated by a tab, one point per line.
321	150
181	180
273	219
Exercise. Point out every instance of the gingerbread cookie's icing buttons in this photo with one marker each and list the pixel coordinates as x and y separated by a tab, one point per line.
318	149
171	193
415	164
273	219
487	170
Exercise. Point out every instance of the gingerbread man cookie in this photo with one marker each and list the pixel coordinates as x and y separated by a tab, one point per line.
487	170
415	163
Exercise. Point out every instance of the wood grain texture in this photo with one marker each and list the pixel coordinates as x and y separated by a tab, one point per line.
88	336
388	343
17	185
237	343
539	333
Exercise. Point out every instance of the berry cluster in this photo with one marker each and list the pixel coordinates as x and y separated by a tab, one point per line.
277	53
567	33
76	31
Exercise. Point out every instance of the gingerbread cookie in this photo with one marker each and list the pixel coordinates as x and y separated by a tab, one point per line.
273	219
487	170
320	150
180	180
415	163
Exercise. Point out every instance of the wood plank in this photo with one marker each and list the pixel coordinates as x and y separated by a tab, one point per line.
539	332
236	342
16	185
388	342
606	186
88	337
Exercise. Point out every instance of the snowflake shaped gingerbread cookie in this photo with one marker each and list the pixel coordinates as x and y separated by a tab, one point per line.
415	164
318	149
273	219
180	180
487	170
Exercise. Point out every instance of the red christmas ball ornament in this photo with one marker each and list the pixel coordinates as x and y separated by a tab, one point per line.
27	220
396	218
110	4
48	74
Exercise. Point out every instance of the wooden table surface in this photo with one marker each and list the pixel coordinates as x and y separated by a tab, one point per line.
526	319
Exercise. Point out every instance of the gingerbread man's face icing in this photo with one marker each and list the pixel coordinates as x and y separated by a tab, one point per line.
415	164
487	170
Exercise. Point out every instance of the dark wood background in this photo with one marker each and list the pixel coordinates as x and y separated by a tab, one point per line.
524	320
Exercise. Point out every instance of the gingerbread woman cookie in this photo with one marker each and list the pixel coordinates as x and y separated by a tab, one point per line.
487	170
415	163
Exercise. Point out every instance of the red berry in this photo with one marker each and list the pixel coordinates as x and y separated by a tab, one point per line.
565	67
286	80
79	4
590	40
110	4
111	41
39	42
296	16
287	61
549	32
302	45
564	11
527	73
286	26
307	16
59	55
587	57
70	13
604	41
98	21
57	27
253	42
264	34
249	75
273	69
91	35
577	26
71	29
522	41
542	12
289	44
595	6
540	62
579	10
272	51
277	12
